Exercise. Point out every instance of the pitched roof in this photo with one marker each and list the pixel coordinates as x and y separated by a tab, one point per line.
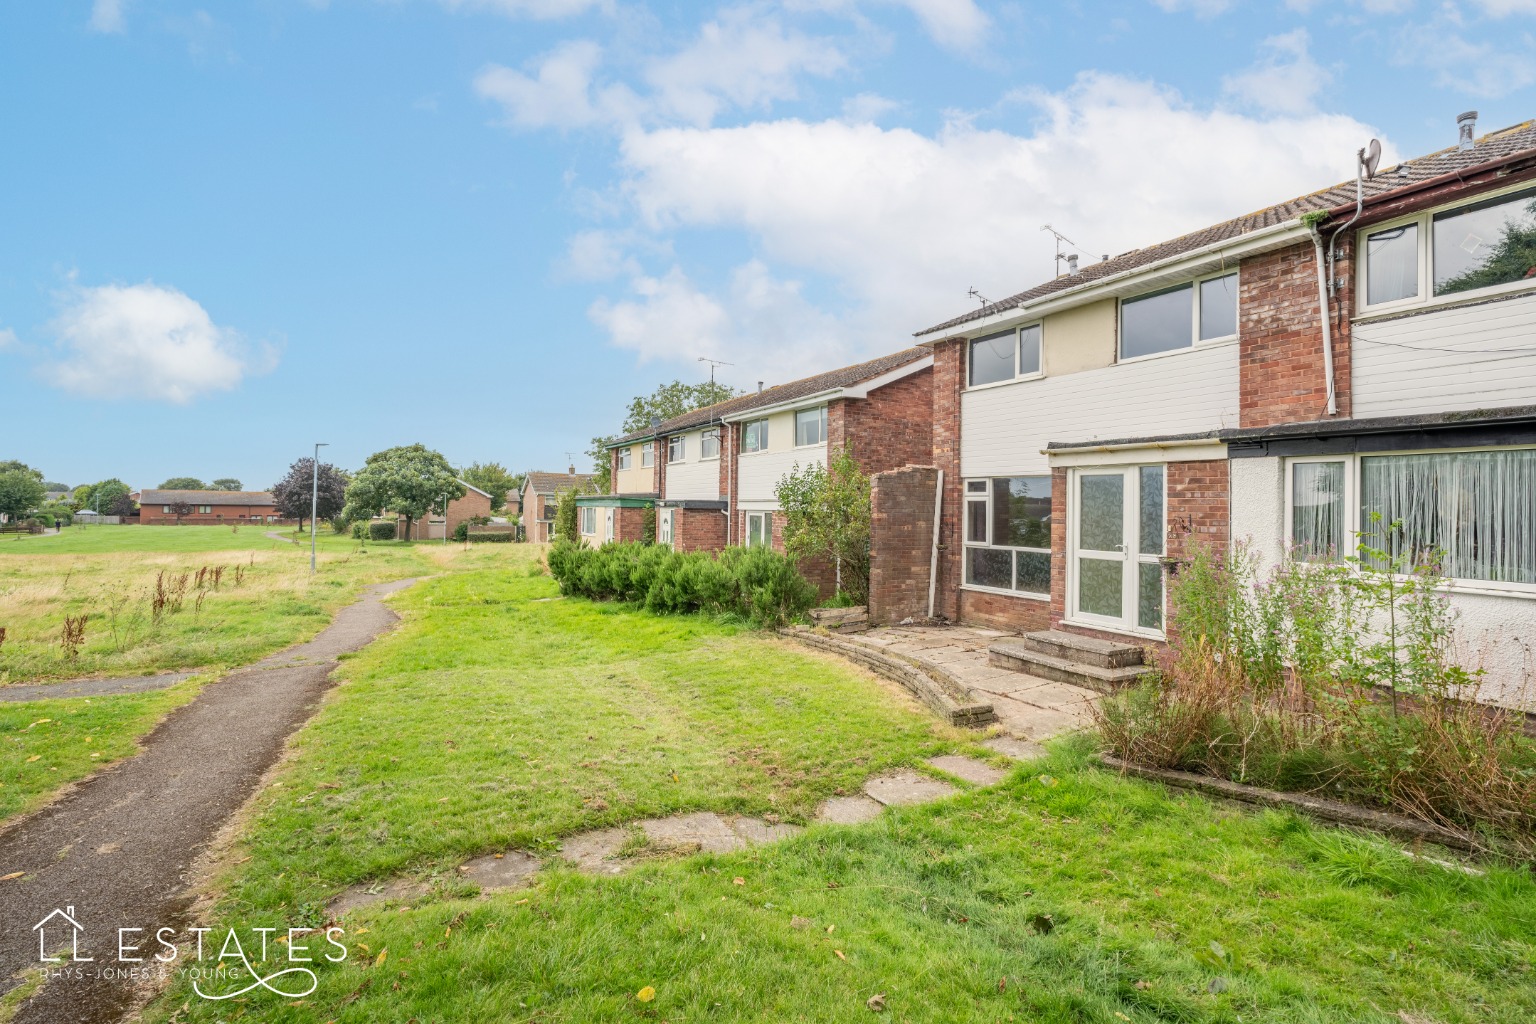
1493	146
842	377
154	497
553	483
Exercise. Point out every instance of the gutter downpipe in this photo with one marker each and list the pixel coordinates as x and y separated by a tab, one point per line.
1326	310
933	557
730	483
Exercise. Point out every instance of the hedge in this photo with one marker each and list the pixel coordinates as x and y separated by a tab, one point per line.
756	583
499	537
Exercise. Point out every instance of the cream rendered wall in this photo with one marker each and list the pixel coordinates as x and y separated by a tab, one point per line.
1494	632
1079	339
636	479
694	478
762	471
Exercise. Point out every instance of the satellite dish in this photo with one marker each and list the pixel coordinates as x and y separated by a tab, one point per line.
1370	157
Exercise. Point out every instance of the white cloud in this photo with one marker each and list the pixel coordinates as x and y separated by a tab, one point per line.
147	342
559	92
107	16
544	10
1504	8
1285	79
900	224
868	106
600	255
1480	68
741	59
7	339
953	24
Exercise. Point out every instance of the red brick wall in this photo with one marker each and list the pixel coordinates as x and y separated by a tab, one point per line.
891	428
901	542
999	611
948	380
1281	337
628	524
218	515
698	529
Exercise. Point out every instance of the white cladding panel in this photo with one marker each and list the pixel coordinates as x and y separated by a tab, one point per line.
694	478
1444	360
1004	428
762	471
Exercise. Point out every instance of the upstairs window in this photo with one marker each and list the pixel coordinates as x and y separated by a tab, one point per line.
677	448
624	458
811	426
1004	356
1392	262
709	444
648	454
1179	317
754	436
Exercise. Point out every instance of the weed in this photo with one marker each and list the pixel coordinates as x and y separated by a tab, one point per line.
73	636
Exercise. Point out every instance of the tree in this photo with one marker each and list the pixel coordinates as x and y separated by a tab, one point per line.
566	526
225	483
412	481
827	515
291	495
179	509
101	496
13	466
122	505
667	402
21	492
54	485
183	483
494	479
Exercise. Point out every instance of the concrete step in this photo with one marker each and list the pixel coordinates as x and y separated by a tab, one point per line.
1085	649
1014	655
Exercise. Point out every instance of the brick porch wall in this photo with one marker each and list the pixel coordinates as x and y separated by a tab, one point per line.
698	529
901	542
947	381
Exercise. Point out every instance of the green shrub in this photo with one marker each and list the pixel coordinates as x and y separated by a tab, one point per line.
489	538
339	526
381	531
759	585
461	532
358	529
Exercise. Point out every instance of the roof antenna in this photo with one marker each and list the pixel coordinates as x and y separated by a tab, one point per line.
973	293
712	364
1062	256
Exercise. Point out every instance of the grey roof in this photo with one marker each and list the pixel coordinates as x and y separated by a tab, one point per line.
842	377
554	483
154	497
1494	146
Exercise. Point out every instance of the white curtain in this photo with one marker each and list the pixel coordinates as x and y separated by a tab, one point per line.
1474	511
1317	511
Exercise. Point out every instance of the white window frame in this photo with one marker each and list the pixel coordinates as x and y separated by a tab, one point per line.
967	497
1018	340
1195	342
1426	299
1351	512
712	434
648	455
681	441
588	526
1132	513
822	428
765	529
626	458
1352	524
761	432
205	510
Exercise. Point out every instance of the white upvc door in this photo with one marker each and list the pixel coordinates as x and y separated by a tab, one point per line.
608	527
1116	531
664	527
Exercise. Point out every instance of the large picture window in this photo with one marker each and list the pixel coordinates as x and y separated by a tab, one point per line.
1179	317
1008	534
1004	356
811	426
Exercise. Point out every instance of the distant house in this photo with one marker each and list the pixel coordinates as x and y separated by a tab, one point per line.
475	503
538	501
208	507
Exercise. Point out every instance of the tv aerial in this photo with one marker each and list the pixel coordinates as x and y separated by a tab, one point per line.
712	364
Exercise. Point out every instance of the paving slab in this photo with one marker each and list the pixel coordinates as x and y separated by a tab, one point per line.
508	870
1053	695
596	852
368	894
977	773
1019	750
904	787
1030	722
757	832
849	810
703	831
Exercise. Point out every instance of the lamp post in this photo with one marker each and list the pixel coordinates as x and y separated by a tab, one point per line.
314	501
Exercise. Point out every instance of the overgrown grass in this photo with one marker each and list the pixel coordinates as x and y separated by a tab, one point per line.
503	716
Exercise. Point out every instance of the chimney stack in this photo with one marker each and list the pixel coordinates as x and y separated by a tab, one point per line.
1466	125
1072	263
759	387
571	470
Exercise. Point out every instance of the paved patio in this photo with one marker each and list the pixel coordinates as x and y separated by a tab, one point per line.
1027	706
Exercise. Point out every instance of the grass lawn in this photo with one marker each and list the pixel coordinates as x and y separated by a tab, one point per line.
87	540
500	716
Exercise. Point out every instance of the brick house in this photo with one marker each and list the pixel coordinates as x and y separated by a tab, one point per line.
537	501
474	504
208	507
1234	384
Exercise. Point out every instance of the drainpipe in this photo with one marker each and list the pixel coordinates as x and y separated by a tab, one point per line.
933	557
1327	312
728	432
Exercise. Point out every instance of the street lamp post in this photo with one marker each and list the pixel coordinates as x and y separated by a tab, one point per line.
314	501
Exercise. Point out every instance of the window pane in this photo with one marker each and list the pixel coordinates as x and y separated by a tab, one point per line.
1317	511
1392	264
811	426
709	447
1034	572
1029	350
1156	323
1151	541
976	522
755	437
989	567
647	455
1471	511
1021	512
1101	511
992	358
1149	595
976	487
1485	244
676	448
1218	307
1099	586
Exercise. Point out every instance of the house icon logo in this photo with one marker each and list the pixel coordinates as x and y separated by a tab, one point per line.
47	924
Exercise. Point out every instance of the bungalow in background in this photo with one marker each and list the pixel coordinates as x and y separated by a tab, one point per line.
474	504
537	500
157	507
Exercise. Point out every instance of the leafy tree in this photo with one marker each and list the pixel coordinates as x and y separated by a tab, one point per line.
1513	257
122	505
291	495
179	509
412	481
54	485
827	515
494	479
566	525
665	403
101	496
226	483
21	492
183	483
12	466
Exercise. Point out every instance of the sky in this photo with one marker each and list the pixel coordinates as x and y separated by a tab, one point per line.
228	231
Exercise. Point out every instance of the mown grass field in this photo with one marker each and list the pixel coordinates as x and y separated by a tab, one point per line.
502	716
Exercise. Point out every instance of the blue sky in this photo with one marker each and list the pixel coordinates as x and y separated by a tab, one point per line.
228	231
